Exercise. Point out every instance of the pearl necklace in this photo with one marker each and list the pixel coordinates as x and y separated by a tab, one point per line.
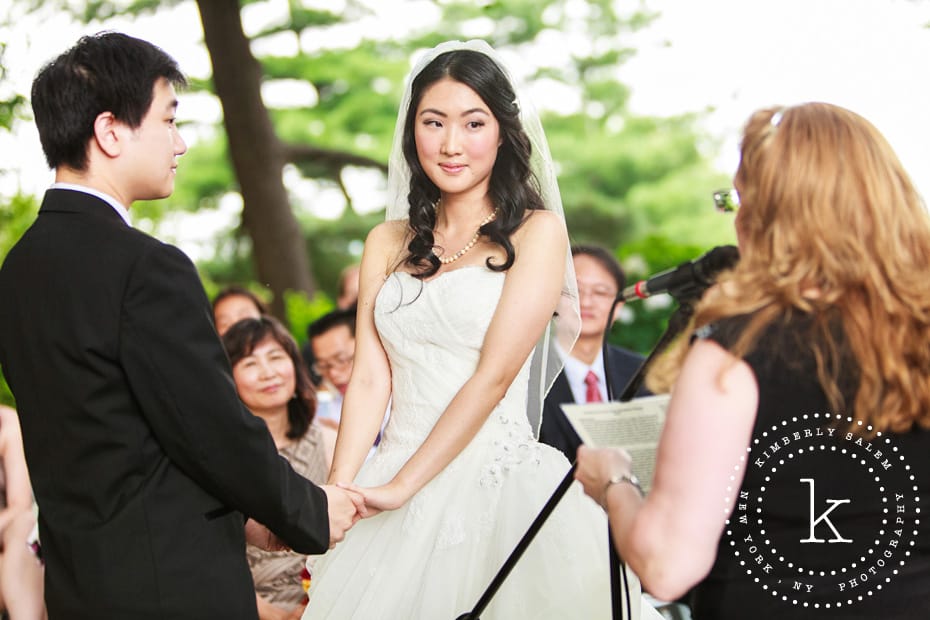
470	244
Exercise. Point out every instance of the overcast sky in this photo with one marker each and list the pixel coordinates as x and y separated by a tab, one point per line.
869	56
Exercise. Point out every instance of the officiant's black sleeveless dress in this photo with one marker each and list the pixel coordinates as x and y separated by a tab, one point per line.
828	524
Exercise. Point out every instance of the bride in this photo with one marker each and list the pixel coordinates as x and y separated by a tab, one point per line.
460	293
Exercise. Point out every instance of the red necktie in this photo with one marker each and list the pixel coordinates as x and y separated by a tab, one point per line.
593	395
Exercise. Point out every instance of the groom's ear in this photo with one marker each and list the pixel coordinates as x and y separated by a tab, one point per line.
107	134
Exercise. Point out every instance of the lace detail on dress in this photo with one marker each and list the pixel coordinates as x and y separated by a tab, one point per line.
511	454
433	556
432	332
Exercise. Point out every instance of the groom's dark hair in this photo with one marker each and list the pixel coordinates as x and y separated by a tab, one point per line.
105	72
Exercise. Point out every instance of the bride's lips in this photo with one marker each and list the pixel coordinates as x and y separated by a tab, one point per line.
452	168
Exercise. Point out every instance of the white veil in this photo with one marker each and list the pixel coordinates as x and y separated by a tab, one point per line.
566	323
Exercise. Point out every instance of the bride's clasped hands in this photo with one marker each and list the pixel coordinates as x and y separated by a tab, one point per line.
390	496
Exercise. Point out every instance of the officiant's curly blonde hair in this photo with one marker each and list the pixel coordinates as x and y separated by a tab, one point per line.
831	225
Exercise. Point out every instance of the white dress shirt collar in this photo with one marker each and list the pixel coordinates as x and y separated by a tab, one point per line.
110	200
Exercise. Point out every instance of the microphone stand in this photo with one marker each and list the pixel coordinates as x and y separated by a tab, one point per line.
677	322
679	319
617	575
619	585
514	557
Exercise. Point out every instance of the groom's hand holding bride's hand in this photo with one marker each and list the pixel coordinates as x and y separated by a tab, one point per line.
346	506
388	496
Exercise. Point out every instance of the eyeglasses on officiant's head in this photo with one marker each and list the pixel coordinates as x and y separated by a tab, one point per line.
726	200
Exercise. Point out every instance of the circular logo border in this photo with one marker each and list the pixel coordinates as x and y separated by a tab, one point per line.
890	548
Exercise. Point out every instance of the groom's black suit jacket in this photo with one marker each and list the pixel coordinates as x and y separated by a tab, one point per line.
143	459
555	429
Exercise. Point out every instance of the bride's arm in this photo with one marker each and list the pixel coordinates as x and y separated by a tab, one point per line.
529	297
369	388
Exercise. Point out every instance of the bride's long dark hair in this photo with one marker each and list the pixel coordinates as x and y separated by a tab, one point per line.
512	188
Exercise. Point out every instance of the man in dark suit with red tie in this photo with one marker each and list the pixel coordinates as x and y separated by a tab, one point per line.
583	378
142	458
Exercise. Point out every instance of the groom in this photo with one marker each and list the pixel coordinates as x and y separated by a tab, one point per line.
143	459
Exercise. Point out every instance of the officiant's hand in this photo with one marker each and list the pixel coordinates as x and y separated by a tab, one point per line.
596	467
345	508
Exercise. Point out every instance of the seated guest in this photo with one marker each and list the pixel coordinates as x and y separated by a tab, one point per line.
332	338
21	571
234	303
346	297
794	458
332	341
584	376
273	383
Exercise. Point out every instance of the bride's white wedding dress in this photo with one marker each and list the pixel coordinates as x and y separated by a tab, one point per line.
432	558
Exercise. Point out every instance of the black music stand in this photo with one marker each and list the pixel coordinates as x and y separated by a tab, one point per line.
619	588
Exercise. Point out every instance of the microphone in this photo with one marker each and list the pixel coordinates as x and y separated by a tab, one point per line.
687	280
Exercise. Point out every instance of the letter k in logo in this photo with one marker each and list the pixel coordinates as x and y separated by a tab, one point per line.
823	517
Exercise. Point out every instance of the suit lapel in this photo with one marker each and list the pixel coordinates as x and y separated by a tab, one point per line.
561	392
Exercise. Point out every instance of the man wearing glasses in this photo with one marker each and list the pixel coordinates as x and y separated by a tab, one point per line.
584	377
332	340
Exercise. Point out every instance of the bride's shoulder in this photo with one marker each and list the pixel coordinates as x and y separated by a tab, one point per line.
390	229
386	243
540	224
387	236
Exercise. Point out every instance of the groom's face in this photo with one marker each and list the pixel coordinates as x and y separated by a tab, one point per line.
148	154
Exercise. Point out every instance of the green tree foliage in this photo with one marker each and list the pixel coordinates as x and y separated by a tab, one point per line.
646	320
638	185
621	176
16	215
10	106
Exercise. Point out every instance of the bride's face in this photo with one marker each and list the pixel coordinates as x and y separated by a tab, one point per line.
457	138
